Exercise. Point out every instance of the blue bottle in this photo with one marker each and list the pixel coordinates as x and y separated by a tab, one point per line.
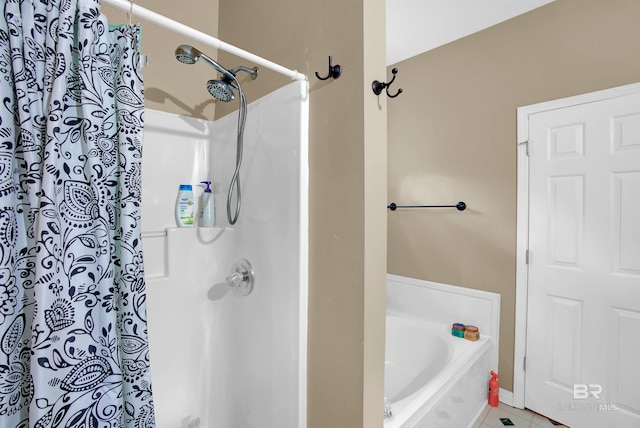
185	206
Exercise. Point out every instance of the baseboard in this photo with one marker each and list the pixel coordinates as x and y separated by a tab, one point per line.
506	397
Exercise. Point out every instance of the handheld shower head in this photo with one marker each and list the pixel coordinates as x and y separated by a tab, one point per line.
189	55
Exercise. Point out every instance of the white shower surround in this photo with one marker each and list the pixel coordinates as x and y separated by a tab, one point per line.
239	361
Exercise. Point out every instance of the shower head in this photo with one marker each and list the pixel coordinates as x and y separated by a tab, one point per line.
221	90
189	55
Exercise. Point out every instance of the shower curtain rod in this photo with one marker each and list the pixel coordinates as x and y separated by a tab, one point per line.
187	31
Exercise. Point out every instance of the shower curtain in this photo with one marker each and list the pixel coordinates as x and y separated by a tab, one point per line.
73	334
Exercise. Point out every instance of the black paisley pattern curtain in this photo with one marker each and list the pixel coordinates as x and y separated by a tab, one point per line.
73	333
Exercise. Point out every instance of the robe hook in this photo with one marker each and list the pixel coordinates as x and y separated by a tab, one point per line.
334	71
378	86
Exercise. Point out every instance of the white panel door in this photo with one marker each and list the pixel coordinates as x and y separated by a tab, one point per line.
583	315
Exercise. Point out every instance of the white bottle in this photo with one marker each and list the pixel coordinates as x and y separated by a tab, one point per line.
207	214
185	206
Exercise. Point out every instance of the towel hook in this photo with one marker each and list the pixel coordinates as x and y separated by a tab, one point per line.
334	71
378	86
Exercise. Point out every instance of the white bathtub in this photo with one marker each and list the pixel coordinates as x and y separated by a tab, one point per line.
433	379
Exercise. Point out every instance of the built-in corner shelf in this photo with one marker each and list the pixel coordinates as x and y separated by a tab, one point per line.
156	245
193	230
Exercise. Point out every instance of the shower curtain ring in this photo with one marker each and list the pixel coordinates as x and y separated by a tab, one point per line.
130	13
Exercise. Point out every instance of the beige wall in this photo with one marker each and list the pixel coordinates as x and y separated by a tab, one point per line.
347	151
347	199
170	85
452	137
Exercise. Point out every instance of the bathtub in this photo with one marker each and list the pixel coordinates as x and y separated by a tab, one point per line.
433	379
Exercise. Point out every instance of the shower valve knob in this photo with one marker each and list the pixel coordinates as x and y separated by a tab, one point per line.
241	278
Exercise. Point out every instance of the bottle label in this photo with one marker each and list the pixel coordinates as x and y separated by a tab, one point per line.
185	211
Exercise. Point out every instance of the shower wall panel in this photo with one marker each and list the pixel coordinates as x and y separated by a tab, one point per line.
238	361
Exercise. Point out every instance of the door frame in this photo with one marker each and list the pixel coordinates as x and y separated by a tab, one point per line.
522	234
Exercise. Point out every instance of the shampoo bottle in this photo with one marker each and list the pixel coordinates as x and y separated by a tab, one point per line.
207	214
185	206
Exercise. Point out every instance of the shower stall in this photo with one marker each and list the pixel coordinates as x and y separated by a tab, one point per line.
228	360
239	360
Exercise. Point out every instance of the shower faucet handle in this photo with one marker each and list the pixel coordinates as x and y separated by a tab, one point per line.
240	280
235	279
242	277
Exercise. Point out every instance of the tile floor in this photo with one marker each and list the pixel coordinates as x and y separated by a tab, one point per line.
490	418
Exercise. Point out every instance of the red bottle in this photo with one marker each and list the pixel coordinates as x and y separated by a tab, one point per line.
494	389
